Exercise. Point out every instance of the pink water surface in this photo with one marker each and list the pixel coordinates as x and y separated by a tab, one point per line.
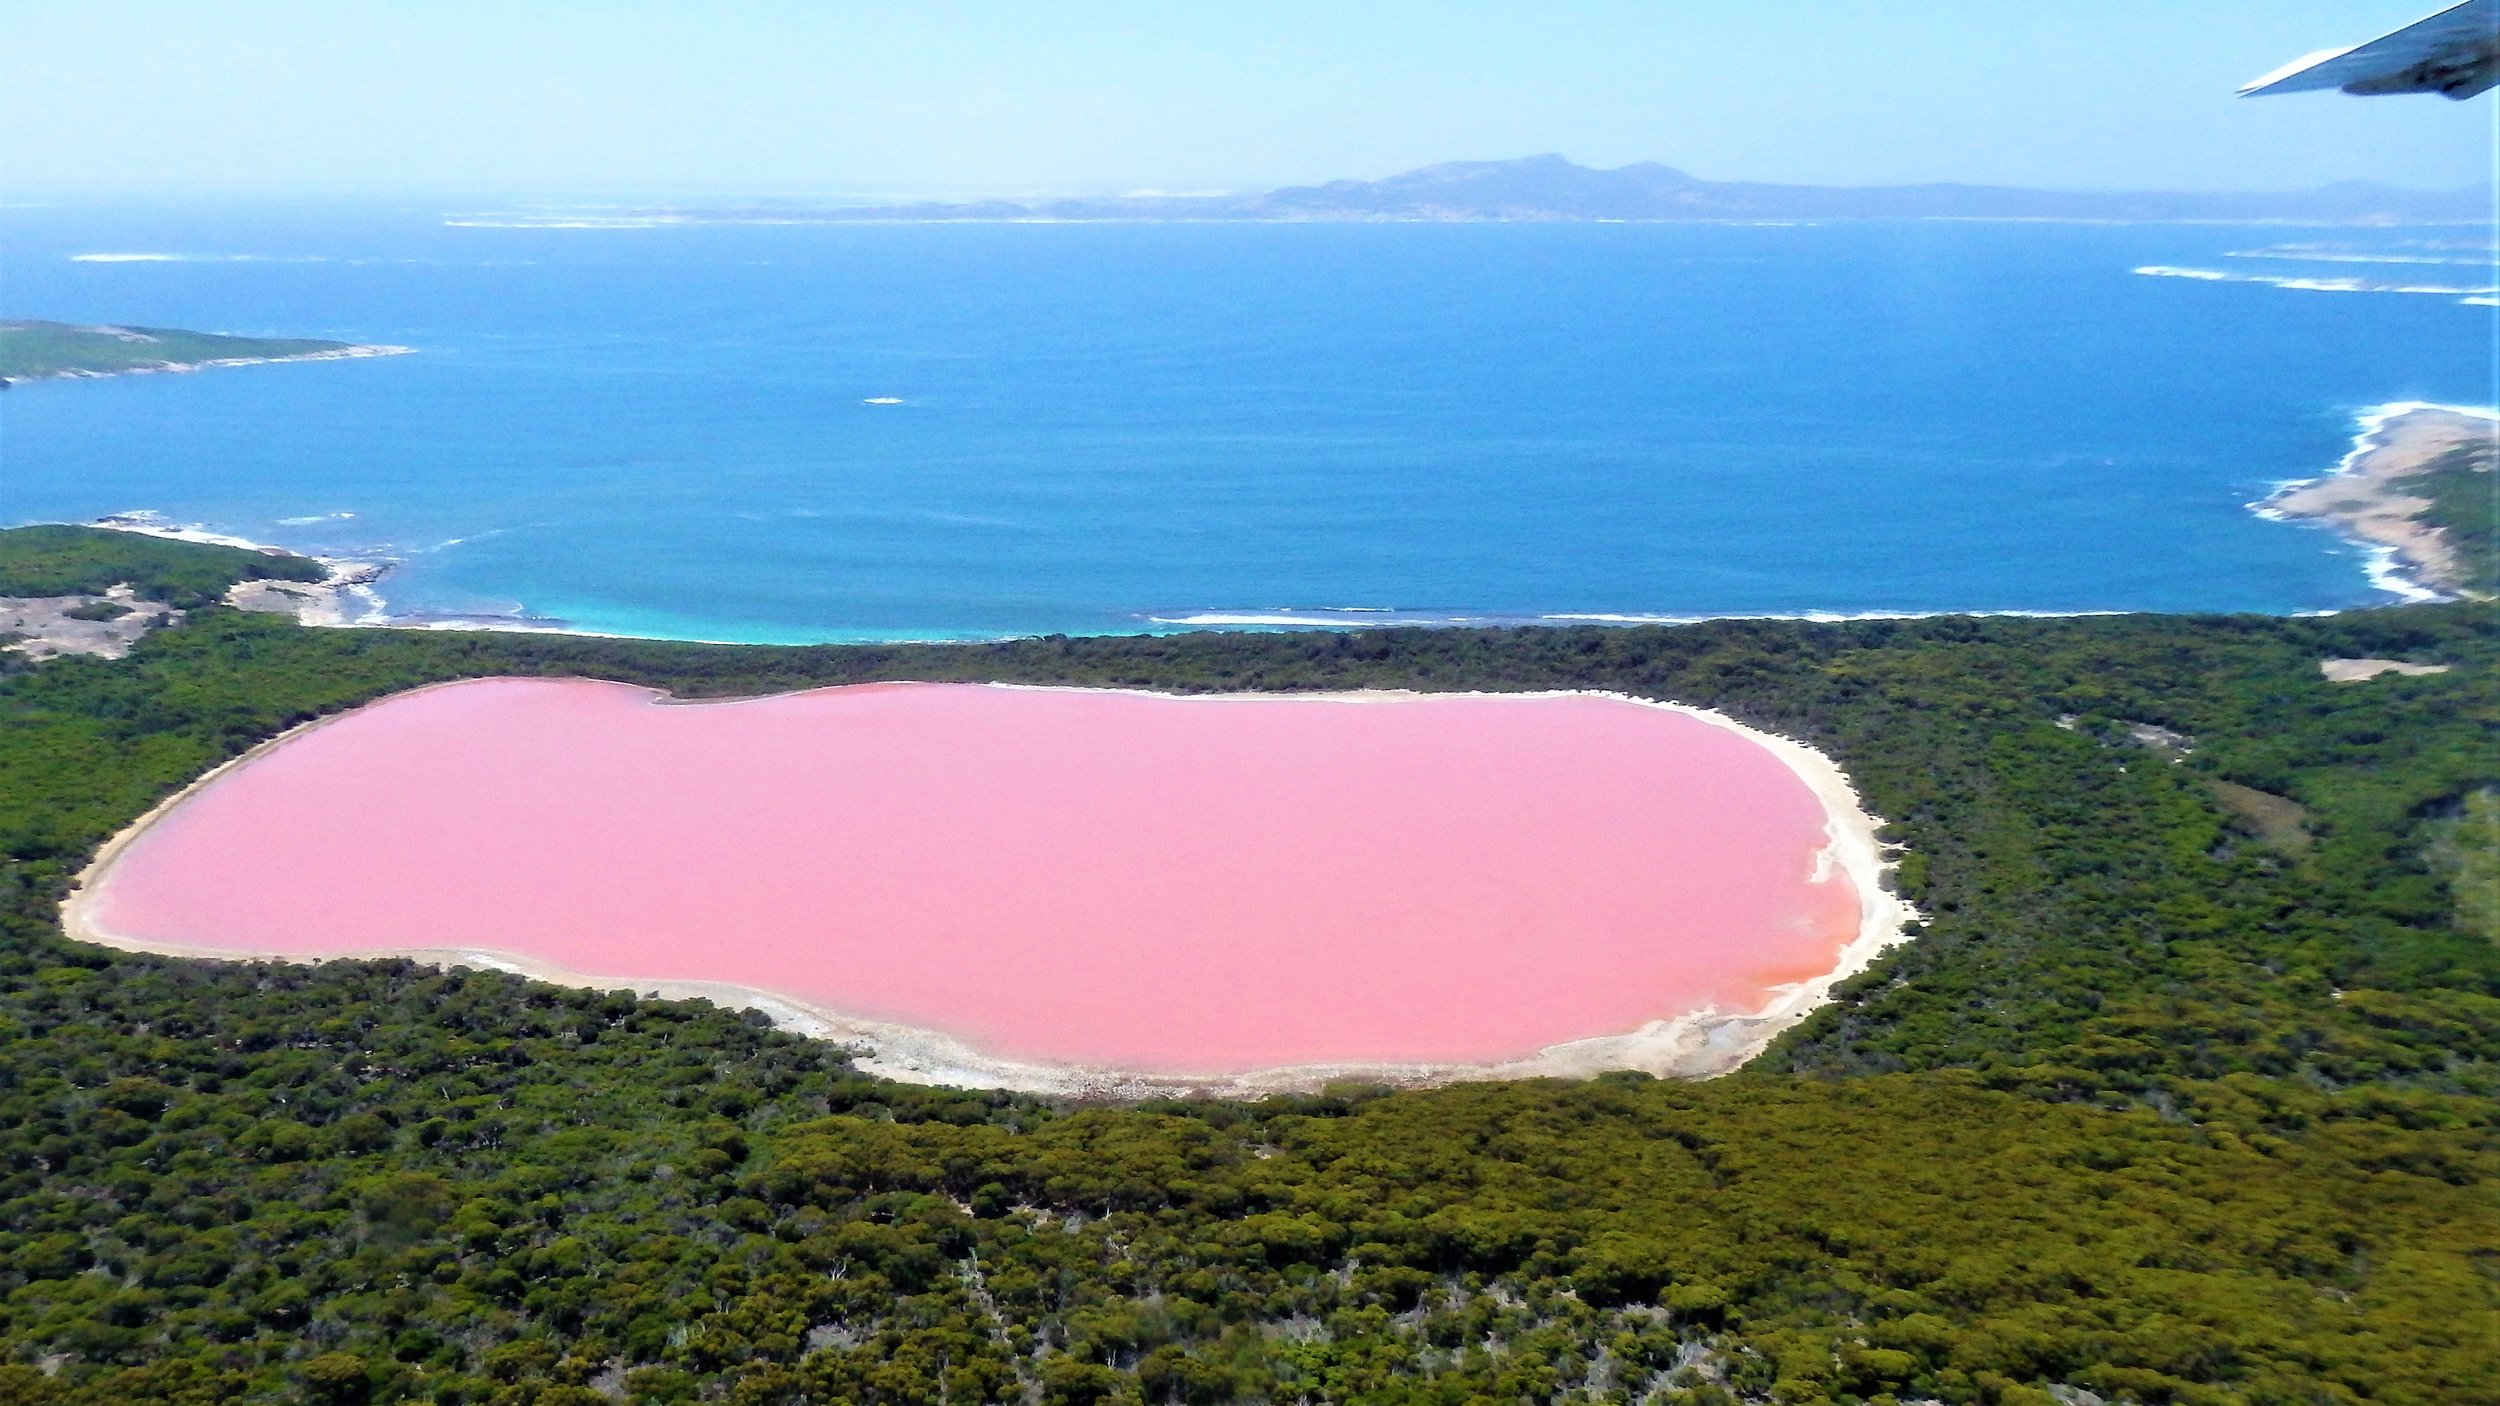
1141	882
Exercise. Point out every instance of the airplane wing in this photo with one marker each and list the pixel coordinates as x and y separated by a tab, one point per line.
2455	53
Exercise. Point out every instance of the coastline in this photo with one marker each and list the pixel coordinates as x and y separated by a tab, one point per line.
355	352
1350	618
2402	558
326	602
374	612
2364	500
1699	1044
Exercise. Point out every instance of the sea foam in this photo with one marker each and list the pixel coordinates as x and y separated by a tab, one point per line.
152	258
2379	563
2316	285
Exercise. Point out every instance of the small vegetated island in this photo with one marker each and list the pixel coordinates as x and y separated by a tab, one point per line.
2181	1088
33	350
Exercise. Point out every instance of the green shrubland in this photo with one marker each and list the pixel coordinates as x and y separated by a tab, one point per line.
2152	1107
31	349
2461	494
58	560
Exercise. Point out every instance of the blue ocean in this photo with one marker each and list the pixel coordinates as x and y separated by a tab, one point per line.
779	432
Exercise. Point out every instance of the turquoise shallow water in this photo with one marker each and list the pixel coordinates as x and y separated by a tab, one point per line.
1125	427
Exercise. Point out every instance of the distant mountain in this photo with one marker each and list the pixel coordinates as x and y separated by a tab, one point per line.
1555	189
1552	188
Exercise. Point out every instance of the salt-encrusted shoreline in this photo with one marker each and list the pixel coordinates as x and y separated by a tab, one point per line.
2363	497
1695	1045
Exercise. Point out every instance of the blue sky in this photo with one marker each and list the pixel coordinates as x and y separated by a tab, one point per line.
589	97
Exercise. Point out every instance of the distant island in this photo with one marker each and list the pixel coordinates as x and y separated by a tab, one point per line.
33	350
1551	188
2417	490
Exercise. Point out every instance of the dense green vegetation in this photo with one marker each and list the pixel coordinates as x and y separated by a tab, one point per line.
2156	1106
57	560
30	349
2465	851
2464	497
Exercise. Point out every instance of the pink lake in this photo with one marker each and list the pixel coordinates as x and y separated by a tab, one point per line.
1123	880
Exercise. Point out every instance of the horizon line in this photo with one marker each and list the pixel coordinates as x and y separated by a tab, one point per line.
888	193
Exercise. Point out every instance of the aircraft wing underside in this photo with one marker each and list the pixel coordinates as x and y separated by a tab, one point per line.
2455	53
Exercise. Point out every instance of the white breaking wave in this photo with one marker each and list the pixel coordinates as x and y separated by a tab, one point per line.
1375	618
1325	616
2387	574
316	517
2379	563
2295	252
154	258
204	259
560	221
2318	285
1817	617
2367	424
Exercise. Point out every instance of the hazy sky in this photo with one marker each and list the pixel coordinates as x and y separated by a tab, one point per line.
581	97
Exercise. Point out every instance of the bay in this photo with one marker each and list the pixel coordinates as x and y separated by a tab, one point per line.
682	429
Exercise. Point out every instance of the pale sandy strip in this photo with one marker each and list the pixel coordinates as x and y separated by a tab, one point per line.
323	602
160	368
1696	1045
2403	556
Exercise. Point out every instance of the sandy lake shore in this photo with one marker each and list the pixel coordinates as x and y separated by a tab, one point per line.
1699	1044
